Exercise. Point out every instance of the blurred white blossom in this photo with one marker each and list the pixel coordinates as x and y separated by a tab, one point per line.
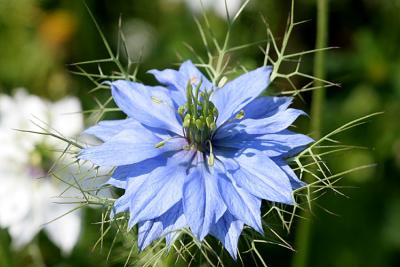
140	38
217	6
27	195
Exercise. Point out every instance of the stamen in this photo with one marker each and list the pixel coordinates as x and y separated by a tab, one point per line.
222	82
163	142
196	100
156	100
240	115
159	145
210	159
181	110
193	80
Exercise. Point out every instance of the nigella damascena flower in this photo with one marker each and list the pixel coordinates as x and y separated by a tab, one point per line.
193	155
27	192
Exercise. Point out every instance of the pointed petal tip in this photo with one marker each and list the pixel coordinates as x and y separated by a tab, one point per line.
233	252
238	93
187	62
142	244
267	68
152	71
132	222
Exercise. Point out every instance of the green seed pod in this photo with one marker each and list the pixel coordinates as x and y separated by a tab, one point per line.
209	120
186	121
197	137
213	126
215	112
199	124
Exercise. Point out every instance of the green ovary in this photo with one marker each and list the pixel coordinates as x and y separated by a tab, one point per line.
199	116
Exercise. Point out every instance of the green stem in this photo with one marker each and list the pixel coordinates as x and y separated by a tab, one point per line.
36	254
303	233
170	259
319	68
5	253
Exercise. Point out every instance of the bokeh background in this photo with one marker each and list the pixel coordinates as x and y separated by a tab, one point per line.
39	38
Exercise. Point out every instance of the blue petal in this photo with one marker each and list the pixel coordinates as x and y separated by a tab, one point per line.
266	106
122	204
122	174
294	180
117	183
148	232
171	78
104	130
284	143
177	80
202	202
253	171
191	73
274	124
130	146
293	142
166	225
161	189
151	106
236	94
228	230
131	177
240	203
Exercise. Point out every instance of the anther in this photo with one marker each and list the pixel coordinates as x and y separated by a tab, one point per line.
181	110
240	115
210	159
159	145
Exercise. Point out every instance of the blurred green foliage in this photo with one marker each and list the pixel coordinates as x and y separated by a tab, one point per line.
40	37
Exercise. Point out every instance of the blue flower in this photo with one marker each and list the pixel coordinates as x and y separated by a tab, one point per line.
192	155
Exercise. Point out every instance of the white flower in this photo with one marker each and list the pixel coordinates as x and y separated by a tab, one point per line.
140	38
218	6
27	195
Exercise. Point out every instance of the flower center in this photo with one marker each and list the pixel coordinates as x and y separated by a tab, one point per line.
199	116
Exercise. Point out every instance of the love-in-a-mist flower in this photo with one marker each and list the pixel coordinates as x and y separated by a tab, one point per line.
27	193
193	155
